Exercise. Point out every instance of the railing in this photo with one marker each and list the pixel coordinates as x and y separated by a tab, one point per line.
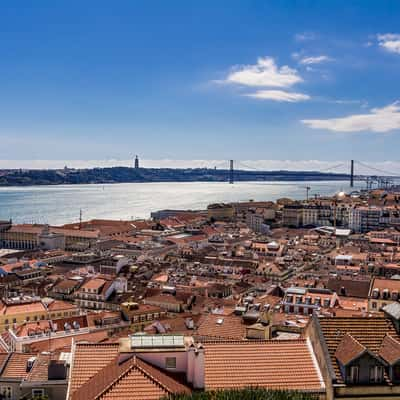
47	335
66	333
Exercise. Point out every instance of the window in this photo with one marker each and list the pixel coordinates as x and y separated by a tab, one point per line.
353	372
6	392
37	392
170	362
374	305
396	372
376	374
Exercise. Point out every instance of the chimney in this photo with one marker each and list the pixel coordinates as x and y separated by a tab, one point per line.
189	323
195	366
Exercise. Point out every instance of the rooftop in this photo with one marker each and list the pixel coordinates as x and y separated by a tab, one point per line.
272	364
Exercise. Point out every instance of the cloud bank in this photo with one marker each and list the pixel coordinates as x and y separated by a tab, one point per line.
377	120
279	95
390	42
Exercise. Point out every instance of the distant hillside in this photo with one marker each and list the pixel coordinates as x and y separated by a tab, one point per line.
125	175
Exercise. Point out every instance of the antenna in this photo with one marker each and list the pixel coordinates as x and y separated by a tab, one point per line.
307	191
231	179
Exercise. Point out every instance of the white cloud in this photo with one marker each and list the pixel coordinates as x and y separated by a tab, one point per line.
264	74
314	60
304	36
390	42
378	120
296	55
279	95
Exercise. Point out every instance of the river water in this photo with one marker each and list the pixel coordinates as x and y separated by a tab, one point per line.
61	204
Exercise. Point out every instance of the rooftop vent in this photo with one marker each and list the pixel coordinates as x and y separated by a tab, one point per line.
29	363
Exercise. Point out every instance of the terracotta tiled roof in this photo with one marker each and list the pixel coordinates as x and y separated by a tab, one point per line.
381	283
130	378
66	284
16	366
60	305
390	350
94	284
370	332
88	360
23	308
221	326
349	349
349	287
284	364
163	298
39	371
3	358
66	342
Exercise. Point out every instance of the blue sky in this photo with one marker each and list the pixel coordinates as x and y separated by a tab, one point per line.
248	80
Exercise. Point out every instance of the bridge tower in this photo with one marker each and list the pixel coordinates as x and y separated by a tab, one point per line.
231	171
352	173
136	162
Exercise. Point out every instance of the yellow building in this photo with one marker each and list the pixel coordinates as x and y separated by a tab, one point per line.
220	212
140	315
29	236
383	292
16	312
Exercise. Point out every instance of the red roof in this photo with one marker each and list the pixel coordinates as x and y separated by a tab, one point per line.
115	376
286	364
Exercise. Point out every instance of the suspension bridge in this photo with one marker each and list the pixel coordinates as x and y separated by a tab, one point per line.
373	177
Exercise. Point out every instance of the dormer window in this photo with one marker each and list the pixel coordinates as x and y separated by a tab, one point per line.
353	374
375	293
376	374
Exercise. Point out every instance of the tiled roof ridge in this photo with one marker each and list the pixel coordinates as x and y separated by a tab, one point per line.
389	354
252	341
91	390
356	318
149	370
119	371
346	354
5	362
97	344
354	339
122	370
